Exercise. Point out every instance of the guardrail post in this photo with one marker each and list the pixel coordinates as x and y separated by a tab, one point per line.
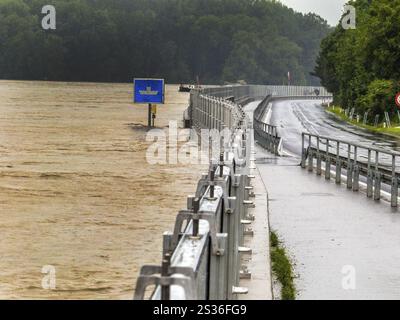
310	160
276	144
338	177
349	169
377	189
327	162
310	156
356	173
395	190
269	138
272	143
319	160
370	177
303	151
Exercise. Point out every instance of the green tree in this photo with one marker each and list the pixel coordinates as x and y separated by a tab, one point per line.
102	40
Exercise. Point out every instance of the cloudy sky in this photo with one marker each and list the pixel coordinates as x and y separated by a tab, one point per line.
330	10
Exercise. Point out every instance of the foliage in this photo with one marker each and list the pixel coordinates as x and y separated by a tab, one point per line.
393	131
360	66
380	94
282	268
216	40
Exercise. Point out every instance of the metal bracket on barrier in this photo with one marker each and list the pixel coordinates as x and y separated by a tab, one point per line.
245	273
153	275
229	202
248	232
186	215
240	290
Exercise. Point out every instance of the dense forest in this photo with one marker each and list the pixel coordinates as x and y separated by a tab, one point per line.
218	41
361	66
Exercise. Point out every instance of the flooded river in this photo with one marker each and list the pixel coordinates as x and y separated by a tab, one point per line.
76	191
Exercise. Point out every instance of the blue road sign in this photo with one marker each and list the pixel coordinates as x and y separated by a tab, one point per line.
149	91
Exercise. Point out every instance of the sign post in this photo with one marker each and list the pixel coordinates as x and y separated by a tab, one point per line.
149	91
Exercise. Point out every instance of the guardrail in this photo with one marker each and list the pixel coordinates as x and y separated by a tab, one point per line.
201	257
208	112
375	165
266	134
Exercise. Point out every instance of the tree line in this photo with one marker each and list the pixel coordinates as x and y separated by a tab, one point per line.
361	66
218	41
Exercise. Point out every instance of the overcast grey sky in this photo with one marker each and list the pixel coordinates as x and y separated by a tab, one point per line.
330	10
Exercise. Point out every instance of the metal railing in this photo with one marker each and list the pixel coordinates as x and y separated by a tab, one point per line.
208	112
201	257
298	91
266	134
375	166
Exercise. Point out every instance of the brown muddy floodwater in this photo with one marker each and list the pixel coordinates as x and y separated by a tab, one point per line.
76	191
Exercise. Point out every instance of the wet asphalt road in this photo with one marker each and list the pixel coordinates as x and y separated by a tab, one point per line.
342	245
297	116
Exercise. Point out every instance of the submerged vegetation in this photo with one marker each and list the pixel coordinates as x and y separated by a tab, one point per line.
258	41
282	268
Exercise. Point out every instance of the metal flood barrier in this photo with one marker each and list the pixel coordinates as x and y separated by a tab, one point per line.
375	166
201	257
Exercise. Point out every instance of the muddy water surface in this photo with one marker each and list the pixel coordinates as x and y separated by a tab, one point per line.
76	191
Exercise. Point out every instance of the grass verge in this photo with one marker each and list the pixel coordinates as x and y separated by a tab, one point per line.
282	268
339	112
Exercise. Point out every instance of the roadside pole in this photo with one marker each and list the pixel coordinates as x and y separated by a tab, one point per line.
149	117
153	114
